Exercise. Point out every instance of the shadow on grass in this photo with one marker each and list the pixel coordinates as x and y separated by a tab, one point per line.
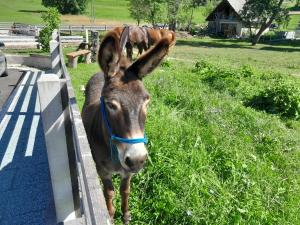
231	43
32	11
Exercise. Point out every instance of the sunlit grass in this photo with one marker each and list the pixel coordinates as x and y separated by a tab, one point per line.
213	160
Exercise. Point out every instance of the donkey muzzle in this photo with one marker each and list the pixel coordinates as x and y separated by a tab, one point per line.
135	157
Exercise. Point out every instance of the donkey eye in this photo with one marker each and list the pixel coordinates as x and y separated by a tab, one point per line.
112	105
147	98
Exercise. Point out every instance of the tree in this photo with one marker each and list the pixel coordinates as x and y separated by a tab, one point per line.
261	14
173	9
155	11
171	12
137	10
51	20
67	6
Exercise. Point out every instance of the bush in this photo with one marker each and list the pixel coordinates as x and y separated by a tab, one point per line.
282	98
166	63
218	78
51	19
67	6
247	71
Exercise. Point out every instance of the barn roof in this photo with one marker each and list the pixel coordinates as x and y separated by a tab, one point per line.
237	6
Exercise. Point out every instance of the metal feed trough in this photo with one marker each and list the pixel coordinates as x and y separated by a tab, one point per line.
83	200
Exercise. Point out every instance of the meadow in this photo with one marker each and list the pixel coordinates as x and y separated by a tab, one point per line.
106	12
214	157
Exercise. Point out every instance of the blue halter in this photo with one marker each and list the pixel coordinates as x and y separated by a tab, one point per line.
113	148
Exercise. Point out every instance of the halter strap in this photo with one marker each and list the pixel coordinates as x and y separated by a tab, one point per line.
115	137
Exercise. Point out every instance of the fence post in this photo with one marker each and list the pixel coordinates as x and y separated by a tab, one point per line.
55	57
95	45
86	36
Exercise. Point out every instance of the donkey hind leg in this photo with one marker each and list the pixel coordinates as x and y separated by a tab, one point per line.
109	193
125	191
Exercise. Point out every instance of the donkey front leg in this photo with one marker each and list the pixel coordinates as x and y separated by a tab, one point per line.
109	193
125	191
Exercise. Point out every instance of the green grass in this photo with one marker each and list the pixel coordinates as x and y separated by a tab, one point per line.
294	22
214	160
26	51
281	57
29	11
22	11
111	9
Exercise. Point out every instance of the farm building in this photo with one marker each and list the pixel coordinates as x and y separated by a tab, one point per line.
226	18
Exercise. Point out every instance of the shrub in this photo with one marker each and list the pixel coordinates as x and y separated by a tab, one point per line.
247	71
166	63
282	98
67	6
218	78
51	19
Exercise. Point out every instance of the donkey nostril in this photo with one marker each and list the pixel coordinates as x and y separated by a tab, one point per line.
128	162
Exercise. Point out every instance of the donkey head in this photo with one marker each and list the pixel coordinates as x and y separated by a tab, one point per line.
125	97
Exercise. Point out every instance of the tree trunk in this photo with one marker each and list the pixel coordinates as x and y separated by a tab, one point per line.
264	26
172	26
190	20
257	36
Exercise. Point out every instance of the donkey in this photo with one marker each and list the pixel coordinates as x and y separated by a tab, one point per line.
135	36
114	115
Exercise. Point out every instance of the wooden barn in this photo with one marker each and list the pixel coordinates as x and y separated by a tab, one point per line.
226	18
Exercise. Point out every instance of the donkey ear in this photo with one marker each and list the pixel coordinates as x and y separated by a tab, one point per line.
109	54
149	61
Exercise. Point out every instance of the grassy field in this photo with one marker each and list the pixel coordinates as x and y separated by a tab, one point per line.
294	22
22	11
215	160
107	12
280	57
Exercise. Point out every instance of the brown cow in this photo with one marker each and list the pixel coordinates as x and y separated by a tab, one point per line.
114	115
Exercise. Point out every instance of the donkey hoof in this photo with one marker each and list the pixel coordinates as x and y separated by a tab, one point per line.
126	218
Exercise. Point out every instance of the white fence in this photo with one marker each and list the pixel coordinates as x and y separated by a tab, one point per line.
33	30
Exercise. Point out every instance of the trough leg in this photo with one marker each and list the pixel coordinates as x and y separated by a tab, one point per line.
72	62
88	58
109	193
125	191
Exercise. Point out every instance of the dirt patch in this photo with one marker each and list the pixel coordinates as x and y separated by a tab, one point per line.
296	75
85	20
183	34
